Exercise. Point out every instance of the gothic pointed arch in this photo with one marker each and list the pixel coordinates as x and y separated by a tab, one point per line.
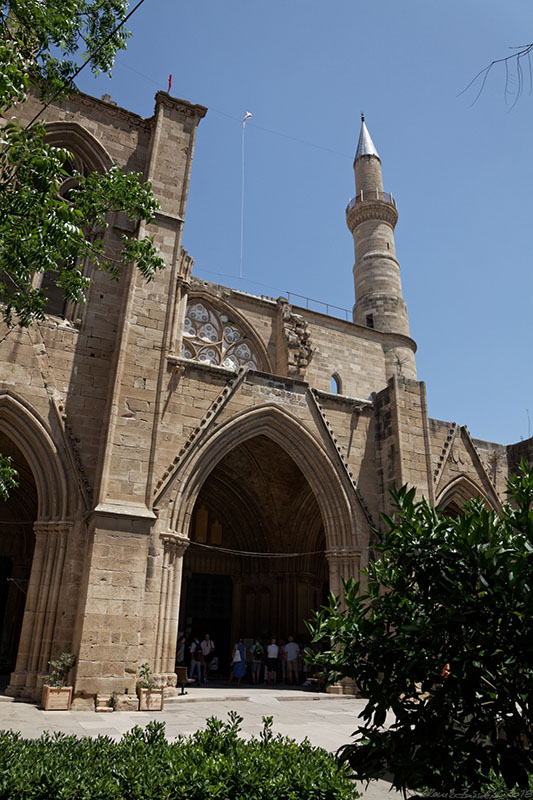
216	333
458	491
342	518
22	425
88	153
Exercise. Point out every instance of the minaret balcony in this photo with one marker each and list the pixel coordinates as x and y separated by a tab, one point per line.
371	205
363	197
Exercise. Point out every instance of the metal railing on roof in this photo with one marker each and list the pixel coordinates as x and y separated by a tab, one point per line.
346	313
385	197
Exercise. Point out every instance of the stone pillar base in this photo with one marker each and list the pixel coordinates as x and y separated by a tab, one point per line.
82	703
25	684
127	702
344	686
166	679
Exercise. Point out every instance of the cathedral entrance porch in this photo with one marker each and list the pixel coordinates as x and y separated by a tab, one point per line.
256	565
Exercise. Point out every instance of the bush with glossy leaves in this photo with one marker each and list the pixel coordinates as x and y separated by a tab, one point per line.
440	643
212	763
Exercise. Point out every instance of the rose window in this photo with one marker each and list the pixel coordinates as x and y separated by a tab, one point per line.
211	337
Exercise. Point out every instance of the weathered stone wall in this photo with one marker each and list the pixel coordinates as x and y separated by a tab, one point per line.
79	374
516	452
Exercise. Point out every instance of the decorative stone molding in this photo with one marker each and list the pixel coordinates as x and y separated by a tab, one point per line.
478	461
315	395
379	254
449	453
38	627
199	432
211	337
175	104
343	564
176	543
174	547
295	332
185	266
371	209
74	454
47	462
86	153
130	117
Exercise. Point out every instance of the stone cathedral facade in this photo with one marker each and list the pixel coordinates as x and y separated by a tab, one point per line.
194	458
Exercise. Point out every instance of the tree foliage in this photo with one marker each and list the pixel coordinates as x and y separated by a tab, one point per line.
41	228
441	645
8	477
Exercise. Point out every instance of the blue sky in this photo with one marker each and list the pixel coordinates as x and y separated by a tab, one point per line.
462	173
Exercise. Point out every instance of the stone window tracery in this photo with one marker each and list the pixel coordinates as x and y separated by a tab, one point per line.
79	160
212	338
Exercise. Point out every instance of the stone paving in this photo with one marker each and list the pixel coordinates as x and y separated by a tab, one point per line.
326	720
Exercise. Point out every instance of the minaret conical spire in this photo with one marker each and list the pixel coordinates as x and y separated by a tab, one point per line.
365	145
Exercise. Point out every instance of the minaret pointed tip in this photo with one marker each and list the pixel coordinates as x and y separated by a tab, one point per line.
365	146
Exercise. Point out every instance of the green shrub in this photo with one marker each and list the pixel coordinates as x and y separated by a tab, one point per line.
213	763
59	670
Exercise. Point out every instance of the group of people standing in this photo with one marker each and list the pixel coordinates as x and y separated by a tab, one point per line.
266	661
201	656
271	662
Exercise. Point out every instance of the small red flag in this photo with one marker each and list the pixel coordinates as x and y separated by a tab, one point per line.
169	82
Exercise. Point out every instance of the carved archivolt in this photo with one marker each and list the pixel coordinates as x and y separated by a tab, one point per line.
211	337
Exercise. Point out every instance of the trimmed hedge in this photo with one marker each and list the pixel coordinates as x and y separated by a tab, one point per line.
213	763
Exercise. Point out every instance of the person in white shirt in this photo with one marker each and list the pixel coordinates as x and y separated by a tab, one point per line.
272	661
292	659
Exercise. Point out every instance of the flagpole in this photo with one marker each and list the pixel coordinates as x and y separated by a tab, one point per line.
242	198
246	116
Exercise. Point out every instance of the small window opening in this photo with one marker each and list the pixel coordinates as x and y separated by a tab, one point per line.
335	384
369	320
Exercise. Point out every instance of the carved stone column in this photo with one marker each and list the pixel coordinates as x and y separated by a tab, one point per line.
334	572
38	625
174	548
344	563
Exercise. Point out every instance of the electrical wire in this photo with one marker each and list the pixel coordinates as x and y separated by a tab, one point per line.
235	118
251	554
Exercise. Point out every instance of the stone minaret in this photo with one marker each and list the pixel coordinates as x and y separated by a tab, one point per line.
371	217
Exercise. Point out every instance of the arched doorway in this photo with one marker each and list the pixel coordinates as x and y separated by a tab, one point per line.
254	511
17	541
459	491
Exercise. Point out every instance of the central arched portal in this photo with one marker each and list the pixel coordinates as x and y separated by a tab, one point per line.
257	504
